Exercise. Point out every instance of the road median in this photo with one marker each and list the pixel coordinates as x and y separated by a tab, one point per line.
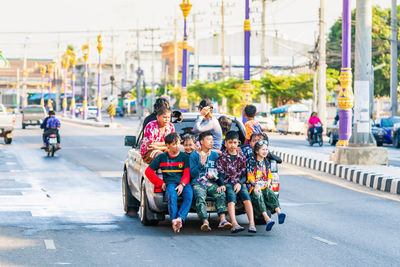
383	178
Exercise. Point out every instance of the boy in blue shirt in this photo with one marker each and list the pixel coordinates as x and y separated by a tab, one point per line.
204	179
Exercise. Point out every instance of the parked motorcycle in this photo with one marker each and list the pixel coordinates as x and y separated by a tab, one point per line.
316	137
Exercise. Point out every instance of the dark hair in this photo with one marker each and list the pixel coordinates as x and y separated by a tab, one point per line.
204	135
231	135
225	123
51	112
257	147
263	135
189	137
312	113
160	103
172	138
163	110
250	111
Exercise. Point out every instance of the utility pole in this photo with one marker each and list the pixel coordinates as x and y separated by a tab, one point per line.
264	59
195	54
393	60
175	54
223	66
322	65
153	93
17	100
315	90
139	109
58	77
362	75
112	78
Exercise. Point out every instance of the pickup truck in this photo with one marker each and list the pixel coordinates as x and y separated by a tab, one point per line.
6	125
139	193
33	115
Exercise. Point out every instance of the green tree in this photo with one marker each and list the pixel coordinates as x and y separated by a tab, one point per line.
380	47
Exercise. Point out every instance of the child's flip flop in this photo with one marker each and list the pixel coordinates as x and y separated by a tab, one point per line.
205	227
281	218
252	229
237	229
225	225
269	225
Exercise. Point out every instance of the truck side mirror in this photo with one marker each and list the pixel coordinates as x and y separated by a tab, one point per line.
130	141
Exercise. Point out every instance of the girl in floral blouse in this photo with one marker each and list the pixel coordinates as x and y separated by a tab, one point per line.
259	180
153	142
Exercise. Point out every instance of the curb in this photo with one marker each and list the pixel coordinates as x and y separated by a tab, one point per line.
92	123
369	179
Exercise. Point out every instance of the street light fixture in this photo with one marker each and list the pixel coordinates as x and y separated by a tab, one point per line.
65	66
246	86
183	103
72	60
50	70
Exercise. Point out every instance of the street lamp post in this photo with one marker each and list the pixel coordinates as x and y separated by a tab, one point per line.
183	103
99	48
345	98
42	69
50	70
246	86
73	63
85	50
65	65
24	87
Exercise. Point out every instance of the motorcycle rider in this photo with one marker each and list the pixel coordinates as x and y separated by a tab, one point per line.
314	121
50	125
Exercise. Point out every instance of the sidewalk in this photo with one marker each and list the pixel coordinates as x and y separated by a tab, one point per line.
379	177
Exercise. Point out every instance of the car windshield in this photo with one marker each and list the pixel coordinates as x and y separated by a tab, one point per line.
33	110
389	122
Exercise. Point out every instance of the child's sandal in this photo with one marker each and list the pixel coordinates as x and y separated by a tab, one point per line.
269	225
252	229
225	225
237	229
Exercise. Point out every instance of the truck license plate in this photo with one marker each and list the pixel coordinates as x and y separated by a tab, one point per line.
210	206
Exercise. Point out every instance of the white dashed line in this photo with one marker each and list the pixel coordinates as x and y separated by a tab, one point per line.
49	243
11	163
324	241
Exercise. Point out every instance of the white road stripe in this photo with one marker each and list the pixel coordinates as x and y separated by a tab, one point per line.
324	241
49	243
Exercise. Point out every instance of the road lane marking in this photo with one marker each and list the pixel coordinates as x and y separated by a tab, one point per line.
339	184
324	241
49	243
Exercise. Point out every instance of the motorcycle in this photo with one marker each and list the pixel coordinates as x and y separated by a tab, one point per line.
51	145
316	135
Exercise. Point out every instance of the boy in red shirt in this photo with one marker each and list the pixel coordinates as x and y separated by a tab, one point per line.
176	177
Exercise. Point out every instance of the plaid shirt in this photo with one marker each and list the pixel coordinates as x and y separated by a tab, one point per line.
53	123
232	172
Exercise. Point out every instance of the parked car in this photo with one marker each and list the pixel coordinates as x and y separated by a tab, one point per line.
139	192
91	112
386	124
7	122
33	115
332	131
266	121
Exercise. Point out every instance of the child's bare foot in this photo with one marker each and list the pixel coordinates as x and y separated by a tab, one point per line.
174	225
178	224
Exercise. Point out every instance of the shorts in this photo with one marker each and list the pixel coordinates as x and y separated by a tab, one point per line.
150	155
243	194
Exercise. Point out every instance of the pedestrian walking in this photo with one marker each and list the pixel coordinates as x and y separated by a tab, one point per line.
112	111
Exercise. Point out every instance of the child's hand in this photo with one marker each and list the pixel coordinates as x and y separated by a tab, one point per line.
164	186
221	189
179	189
257	189
237	188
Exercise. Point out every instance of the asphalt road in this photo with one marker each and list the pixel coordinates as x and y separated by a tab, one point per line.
67	210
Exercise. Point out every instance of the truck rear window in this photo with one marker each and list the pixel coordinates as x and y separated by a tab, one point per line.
34	110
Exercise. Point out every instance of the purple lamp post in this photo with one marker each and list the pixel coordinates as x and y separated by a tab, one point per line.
345	98
99	48
85	50
50	69
183	103
65	65
73	63
246	86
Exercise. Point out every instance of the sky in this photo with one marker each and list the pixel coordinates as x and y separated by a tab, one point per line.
46	25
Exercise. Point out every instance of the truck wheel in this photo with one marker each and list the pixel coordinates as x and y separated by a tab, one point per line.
379	143
332	140
7	140
396	141
144	209
131	205
23	126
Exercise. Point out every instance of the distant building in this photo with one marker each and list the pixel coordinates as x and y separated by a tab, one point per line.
168	59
